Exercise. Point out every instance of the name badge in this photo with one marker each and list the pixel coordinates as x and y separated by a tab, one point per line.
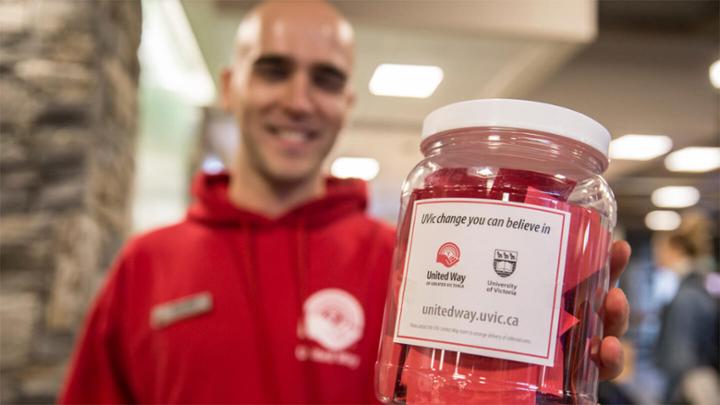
182	308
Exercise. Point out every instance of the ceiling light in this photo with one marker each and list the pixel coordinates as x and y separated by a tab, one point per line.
715	74
639	147
693	159
675	196
417	81
485	171
357	167
662	220
212	165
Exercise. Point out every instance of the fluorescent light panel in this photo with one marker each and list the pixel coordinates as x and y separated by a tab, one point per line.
418	81
212	165
661	220
675	196
356	167
639	147
714	72
693	159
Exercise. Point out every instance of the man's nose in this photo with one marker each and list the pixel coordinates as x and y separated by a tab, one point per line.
298	98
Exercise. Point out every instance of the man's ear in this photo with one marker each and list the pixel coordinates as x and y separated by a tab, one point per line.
225	88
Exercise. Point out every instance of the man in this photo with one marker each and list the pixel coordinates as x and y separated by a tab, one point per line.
272	289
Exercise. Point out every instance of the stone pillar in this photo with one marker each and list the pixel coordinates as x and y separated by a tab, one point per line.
68	124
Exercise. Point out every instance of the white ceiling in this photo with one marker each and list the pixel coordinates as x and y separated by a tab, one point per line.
486	48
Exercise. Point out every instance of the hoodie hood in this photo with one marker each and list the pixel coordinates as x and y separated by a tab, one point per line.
213	207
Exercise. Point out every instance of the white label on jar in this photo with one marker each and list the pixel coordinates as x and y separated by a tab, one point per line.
484	277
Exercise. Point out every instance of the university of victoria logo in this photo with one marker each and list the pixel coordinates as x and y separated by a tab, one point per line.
334	319
448	254
505	262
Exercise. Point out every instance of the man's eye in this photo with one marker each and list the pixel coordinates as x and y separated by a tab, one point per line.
272	72
329	81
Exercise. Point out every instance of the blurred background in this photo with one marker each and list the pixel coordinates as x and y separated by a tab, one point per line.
107	108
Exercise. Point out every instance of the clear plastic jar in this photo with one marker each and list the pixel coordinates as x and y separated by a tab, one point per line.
502	259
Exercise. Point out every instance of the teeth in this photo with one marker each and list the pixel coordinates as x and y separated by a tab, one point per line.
293	135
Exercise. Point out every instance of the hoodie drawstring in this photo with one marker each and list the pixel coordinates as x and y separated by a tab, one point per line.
252	292
301	273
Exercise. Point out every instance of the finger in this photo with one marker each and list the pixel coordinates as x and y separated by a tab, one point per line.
610	358
617	313
619	256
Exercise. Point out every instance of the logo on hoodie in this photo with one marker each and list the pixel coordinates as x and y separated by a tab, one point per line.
335	320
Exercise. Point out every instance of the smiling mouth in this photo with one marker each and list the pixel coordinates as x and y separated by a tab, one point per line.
291	135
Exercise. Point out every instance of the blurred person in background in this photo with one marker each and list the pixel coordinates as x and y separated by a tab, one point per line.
688	344
272	289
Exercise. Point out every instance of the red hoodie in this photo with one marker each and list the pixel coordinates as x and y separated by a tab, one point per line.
229	306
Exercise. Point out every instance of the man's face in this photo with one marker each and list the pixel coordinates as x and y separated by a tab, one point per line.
288	89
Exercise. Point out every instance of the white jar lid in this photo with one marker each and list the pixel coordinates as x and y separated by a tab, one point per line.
521	114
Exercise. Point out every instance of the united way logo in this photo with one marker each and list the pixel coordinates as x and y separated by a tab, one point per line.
505	262
334	319
448	254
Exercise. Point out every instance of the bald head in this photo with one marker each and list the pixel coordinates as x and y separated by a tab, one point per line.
285	18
